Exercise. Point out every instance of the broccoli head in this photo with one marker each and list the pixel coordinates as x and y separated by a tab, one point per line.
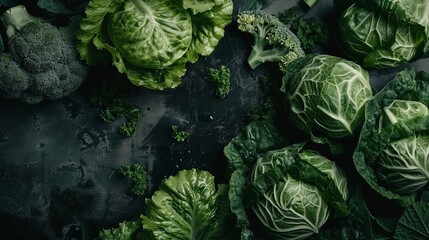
42	62
273	41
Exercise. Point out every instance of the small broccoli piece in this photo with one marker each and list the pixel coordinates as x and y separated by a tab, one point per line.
221	78
45	54
138	175
273	41
179	136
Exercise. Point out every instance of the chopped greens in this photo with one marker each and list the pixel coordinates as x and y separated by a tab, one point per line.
138	175
221	78
178	135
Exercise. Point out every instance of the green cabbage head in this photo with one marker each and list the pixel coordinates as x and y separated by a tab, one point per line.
326	95
295	207
393	149
404	163
152	40
385	33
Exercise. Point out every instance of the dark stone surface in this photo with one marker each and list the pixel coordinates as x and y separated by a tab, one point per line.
59	161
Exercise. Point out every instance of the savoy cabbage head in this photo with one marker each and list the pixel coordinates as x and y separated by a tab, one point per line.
385	33
152	40
326	95
392	153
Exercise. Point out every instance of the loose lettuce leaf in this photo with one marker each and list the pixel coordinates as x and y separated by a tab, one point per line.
414	223
407	85
189	206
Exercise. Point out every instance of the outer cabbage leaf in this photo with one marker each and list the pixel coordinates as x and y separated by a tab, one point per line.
396	146
254	141
199	6
414	223
208	29
189	206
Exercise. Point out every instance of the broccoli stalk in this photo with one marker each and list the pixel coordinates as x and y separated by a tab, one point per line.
273	41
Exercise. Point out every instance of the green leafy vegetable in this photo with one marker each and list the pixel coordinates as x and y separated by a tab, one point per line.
326	95
273	41
414	223
385	33
291	192
138	175
125	231
189	206
309	31
179	136
42	62
221	78
152	40
111	96
392	151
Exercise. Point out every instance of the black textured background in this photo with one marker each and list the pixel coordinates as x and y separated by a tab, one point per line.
59	161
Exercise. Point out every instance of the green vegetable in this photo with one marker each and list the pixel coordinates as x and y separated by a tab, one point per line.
414	223
111	95
125	231
138	175
326	95
273	41
152	40
291	192
42	63
393	145
179	136
189	206
221	78
385	33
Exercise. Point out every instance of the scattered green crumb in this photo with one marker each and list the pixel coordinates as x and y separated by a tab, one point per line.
138	175
178	135
221	78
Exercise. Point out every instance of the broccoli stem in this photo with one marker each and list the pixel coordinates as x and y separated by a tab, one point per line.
258	56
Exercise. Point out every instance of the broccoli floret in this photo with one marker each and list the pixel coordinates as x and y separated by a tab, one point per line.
42	56
274	42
